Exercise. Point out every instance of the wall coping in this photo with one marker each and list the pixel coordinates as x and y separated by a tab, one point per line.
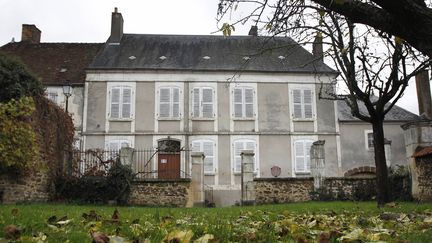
311	178
156	180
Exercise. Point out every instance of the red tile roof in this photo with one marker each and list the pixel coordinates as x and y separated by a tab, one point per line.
53	63
423	152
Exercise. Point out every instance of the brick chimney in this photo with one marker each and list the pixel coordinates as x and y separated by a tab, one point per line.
424	94
317	47
30	33
253	31
116	27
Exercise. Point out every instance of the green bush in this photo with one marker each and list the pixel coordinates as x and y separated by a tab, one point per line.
97	189
18	147
16	80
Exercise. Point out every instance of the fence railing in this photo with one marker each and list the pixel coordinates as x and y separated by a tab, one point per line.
144	163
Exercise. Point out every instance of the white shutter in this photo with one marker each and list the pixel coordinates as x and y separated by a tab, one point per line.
307	103
297	103
238	102
308	145
175	102
207	102
196	102
115	103
249	97
164	102
196	146
299	156
126	102
113	145
238	147
209	156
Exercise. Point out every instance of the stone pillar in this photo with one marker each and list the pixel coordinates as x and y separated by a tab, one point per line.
126	156
247	175
424	94
197	183
317	157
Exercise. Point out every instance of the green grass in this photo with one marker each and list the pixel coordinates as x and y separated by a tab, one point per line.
268	223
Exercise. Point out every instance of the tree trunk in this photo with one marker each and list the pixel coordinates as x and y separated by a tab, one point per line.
383	195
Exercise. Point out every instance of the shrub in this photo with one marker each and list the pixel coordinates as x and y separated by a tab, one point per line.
16	80
18	147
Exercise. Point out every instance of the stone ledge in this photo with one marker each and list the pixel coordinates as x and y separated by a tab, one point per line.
284	179
155	180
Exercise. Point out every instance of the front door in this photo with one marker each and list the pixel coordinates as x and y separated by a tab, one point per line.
169	165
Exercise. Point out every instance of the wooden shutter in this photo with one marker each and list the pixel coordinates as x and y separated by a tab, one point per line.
208	149
175	102
238	147
115	103
207	102
126	102
238	102
297	103
164	102
299	156
249	97
307	103
196	102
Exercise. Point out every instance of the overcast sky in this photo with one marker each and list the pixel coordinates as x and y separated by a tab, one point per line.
90	20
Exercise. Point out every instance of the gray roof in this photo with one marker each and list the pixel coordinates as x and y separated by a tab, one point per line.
395	114
208	53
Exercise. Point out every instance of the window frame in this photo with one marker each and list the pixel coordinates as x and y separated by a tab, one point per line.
243	103
171	102
121	86
235	156
201	102
367	147
302	89
306	155
201	141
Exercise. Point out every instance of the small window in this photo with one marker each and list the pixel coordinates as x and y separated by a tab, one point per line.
369	140
203	102
302	103
120	102
169	102
243	98
117	144
208	148
239	146
302	155
53	96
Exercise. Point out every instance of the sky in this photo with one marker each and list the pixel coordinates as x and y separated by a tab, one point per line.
90	21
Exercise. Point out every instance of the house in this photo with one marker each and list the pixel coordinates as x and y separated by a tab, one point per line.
356	139
56	64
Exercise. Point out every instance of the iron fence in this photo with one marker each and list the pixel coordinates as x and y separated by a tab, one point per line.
144	163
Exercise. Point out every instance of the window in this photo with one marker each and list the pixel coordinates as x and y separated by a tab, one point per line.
208	148
369	141
121	98
202	102
302	155
243	102
302	103
53	97
169	102
239	146
117	144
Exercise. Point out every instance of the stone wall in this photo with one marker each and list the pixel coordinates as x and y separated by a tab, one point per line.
424	171
161	193
34	187
283	190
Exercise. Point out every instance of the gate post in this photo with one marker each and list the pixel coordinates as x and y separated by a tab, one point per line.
247	175
126	156
197	180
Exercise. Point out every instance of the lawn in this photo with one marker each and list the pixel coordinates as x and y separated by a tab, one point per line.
297	222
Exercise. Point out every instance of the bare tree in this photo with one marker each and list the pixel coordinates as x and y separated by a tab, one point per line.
374	66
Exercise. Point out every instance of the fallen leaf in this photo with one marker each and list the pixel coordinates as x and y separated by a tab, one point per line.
205	238
14	211
12	232
99	237
179	236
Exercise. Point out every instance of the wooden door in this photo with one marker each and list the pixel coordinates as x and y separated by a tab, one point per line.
169	165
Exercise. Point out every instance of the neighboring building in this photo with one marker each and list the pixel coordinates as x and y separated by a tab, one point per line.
55	64
356	139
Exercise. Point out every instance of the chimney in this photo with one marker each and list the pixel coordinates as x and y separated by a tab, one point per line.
30	33
116	27
317	47
423	94
253	31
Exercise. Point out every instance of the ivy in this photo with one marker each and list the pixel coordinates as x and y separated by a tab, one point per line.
18	147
